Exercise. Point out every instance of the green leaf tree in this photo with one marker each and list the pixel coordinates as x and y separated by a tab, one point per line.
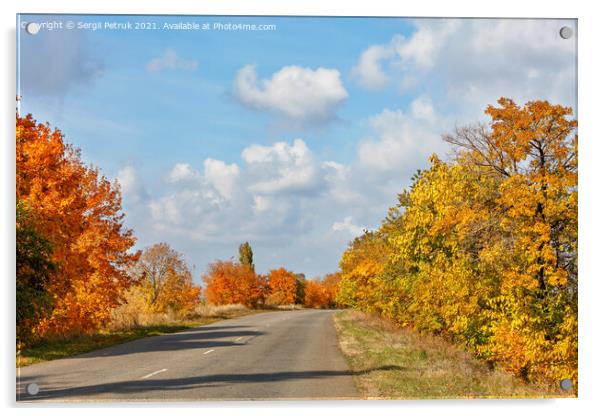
34	268
245	255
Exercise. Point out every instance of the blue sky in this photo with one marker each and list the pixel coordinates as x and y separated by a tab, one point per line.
294	139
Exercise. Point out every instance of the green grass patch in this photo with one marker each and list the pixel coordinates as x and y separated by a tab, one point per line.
395	363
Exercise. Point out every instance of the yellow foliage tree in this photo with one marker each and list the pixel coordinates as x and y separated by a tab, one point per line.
483	249
166	280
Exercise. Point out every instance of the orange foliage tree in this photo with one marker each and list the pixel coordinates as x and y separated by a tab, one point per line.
331	284
315	294
282	287
227	282
322	293
79	212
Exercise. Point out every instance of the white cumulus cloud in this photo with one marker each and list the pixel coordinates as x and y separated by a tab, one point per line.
281	167
294	92
182	172
221	176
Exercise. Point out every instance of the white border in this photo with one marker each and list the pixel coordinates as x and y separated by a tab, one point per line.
590	339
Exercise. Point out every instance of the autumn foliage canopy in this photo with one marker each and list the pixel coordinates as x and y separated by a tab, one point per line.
282	287
78	213
229	282
483	249
321	293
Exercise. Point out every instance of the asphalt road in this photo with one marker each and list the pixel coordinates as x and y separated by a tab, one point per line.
290	355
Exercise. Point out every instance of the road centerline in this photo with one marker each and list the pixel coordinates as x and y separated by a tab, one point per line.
154	373
207	352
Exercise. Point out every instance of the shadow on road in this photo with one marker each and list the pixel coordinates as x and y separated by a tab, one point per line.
127	388
190	339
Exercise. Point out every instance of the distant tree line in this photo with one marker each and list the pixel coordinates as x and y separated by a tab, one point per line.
230	282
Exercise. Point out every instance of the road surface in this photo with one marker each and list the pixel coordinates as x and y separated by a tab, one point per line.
290	355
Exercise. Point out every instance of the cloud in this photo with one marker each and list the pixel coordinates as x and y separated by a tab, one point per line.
52	63
301	94
171	60
281	168
341	183
183	172
368	70
422	48
271	196
132	188
222	177
416	53
281	197
475	61
167	209
422	108
261	203
218	181
348	226
403	140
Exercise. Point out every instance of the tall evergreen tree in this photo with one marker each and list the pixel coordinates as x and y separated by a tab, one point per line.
245	255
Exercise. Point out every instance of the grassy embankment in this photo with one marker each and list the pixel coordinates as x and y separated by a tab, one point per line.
124	330
395	363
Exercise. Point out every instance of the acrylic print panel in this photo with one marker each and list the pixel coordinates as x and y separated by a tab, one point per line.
234	208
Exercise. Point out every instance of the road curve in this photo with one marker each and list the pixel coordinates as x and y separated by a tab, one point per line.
291	355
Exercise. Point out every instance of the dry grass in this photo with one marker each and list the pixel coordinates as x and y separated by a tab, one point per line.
290	307
222	311
394	363
132	316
